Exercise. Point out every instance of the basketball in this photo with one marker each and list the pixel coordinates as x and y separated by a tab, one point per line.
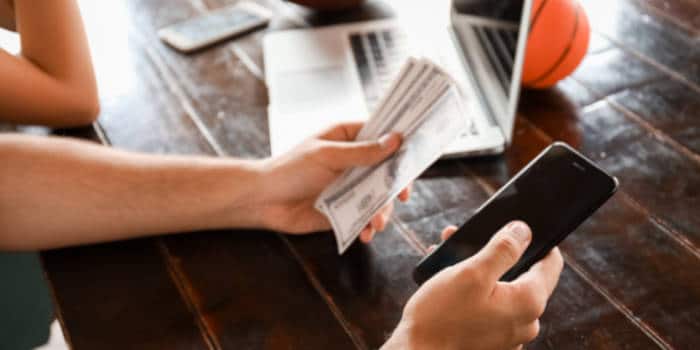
558	41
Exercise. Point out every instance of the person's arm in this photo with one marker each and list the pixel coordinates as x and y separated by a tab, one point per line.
329	5
52	81
465	306
58	192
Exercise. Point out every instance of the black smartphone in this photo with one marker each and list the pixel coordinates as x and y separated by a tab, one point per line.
553	194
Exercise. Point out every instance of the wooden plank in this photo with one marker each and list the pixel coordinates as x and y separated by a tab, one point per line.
443	196
598	44
662	105
613	70
368	285
250	292
217	87
578	317
650	37
147	108
655	278
685	13
665	106
117	296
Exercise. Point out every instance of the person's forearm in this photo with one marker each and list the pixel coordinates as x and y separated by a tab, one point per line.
52	82
57	192
53	38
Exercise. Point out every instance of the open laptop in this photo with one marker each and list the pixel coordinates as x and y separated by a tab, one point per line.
318	77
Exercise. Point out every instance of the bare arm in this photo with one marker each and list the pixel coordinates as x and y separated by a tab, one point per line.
52	81
57	192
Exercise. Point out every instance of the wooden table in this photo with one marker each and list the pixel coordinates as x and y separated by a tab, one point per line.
632	276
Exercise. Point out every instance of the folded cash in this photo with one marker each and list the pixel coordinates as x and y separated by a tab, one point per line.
426	107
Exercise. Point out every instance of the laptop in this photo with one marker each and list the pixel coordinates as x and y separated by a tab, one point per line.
318	77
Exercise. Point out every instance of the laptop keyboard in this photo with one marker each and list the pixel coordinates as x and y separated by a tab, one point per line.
380	54
500	45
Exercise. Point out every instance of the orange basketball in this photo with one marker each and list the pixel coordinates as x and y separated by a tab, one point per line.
558	40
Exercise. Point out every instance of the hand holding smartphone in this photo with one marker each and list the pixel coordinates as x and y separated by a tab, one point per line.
553	194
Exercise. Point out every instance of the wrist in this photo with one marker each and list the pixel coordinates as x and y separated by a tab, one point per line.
409	335
265	172
252	206
242	191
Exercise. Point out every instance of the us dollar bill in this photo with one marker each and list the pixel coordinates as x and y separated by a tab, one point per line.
420	84
430	117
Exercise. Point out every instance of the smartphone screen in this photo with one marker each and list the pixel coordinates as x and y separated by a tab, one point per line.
553	194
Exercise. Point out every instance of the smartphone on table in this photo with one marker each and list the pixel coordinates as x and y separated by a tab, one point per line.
210	28
553	194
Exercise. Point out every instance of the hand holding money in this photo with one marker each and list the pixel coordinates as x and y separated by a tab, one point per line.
425	106
291	182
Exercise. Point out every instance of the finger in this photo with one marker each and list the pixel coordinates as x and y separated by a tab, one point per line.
448	232
405	195
503	250
372	233
386	215
378	222
546	272
366	235
342	132
538	283
341	155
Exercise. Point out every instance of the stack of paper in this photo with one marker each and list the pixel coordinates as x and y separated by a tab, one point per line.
424	105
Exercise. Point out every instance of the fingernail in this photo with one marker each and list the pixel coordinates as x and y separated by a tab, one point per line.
385	141
520	231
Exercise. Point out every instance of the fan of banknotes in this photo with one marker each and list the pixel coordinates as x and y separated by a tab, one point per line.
425	105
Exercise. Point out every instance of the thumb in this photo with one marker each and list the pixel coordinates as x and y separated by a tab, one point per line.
341	155
503	250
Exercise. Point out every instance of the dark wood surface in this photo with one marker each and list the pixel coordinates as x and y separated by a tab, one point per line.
632	276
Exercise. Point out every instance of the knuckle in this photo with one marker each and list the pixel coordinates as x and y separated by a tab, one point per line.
508	247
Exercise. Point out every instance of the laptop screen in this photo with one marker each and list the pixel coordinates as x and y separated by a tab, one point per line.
492	35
